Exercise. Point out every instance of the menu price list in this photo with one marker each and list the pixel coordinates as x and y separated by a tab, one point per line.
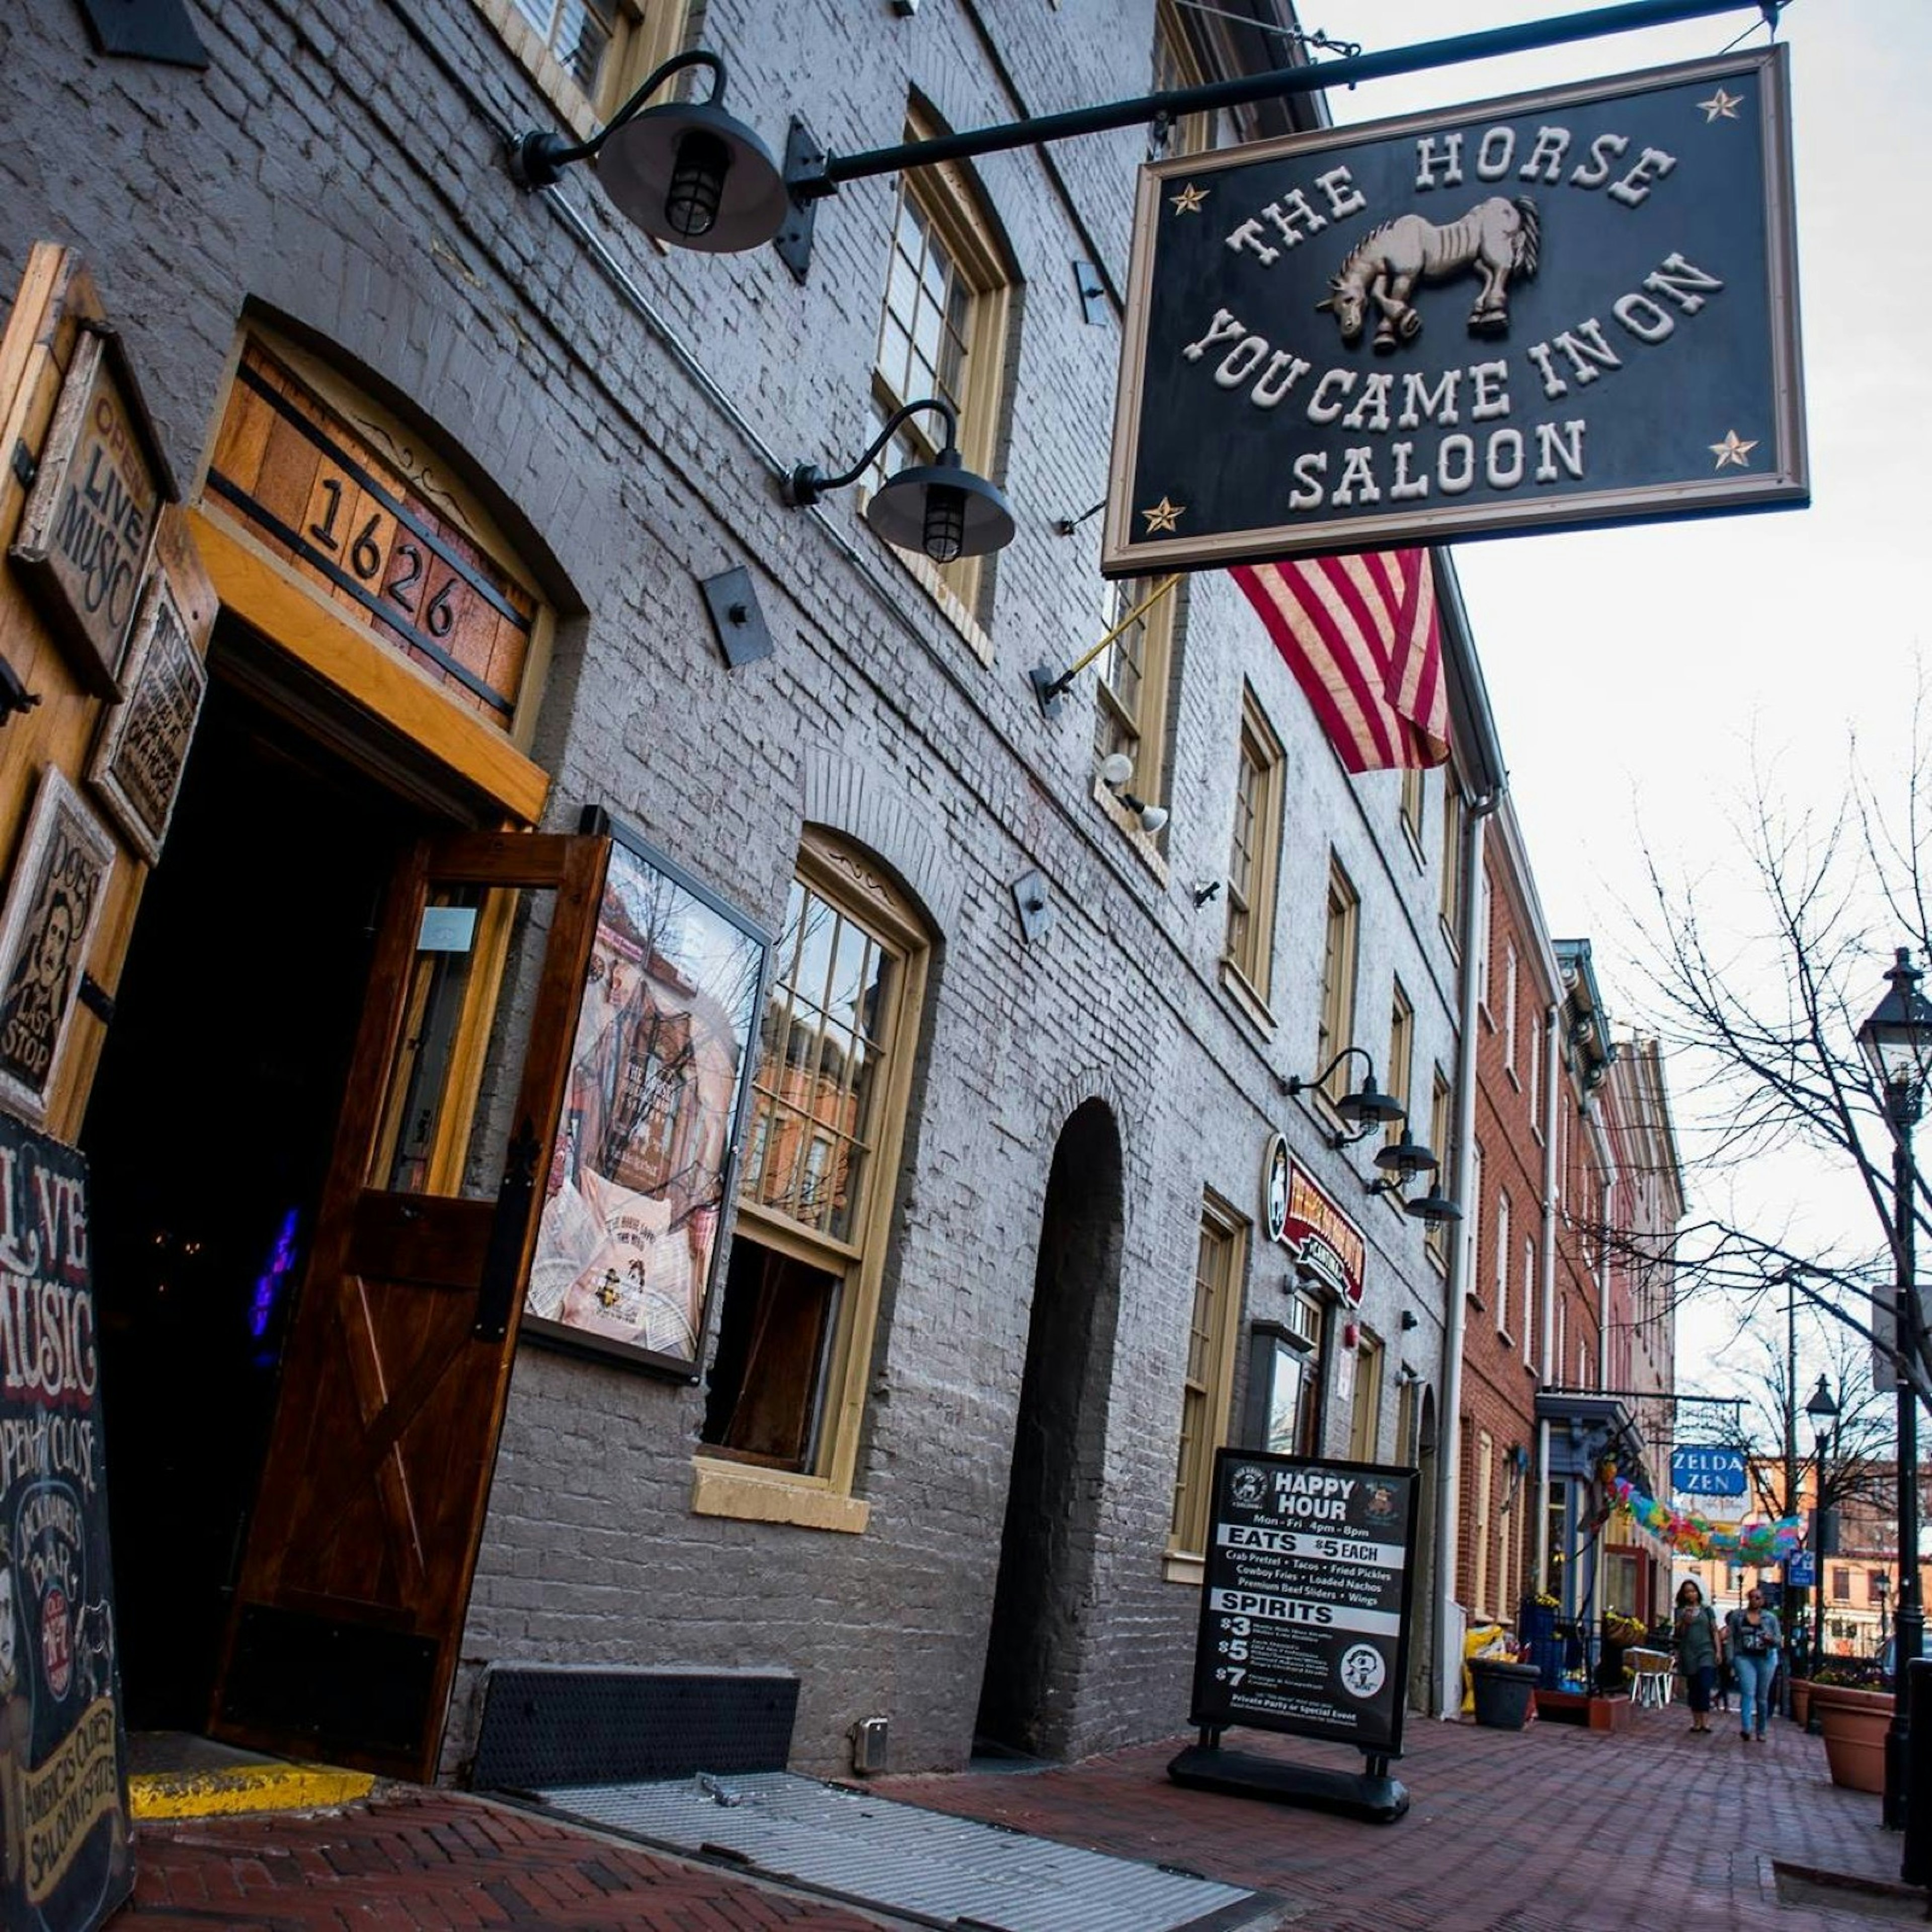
1305	1602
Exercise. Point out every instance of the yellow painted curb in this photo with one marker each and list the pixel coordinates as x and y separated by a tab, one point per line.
252	1787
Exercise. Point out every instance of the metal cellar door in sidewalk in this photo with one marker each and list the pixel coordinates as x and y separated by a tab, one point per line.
350	1604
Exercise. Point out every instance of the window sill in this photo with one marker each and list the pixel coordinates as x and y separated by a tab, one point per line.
1489	1018
731	1490
1129	826
1249	1004
1449	937
1413	833
1178	1568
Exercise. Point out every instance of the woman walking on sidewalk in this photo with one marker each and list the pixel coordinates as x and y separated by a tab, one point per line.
1755	1642
1700	1647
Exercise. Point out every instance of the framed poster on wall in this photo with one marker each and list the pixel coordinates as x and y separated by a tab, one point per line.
144	742
54	898
652	1110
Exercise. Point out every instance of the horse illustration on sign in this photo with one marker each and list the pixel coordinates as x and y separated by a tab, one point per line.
1499	238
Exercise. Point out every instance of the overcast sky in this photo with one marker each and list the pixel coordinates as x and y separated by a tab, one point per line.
1636	674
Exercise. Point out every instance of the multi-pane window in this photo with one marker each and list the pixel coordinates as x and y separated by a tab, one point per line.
1402	1036
1509	1010
1175	66
1411	802
1203	1392
829	1096
1437	1238
1365	1424
1485	1476
1529	1291
941	330
1473	1253
1502	1262
1535	1070
605	47
1453	867
1841	1584
1254	850
1135	669
1338	977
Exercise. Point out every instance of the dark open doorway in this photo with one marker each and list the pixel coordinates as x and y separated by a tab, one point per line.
1026	1697
209	1126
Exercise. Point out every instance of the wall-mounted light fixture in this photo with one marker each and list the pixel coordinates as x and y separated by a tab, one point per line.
1365	1110
684	171
940	507
1116	770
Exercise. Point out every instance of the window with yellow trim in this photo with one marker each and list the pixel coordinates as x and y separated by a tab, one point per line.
942	332
1412	791
815	1199
590	55
1337	1026
1135	672
1209	1373
1175	65
1437	1238
1365	1423
1254	852
1402	1042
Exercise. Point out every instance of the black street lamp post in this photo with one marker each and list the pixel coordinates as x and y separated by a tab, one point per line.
1823	1411
1897	1043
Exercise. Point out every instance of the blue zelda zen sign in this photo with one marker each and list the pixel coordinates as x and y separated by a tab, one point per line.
1705	1471
1564	308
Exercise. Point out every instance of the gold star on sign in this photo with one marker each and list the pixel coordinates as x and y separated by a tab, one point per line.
1189	200
1164	516
1721	106
1731	450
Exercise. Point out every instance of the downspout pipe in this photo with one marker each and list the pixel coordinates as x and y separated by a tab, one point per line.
1449	1420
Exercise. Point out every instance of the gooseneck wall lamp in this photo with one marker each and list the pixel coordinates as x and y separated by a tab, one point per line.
1366	1109
684	171
940	507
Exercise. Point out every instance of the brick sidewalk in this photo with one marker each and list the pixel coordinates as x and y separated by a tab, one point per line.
1556	1829
416	1861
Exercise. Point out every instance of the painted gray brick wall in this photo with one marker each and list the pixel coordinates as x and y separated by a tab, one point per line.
338	169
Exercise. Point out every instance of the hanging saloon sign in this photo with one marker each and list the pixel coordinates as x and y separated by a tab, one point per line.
1559	309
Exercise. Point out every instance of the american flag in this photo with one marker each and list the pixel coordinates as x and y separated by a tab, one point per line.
1360	634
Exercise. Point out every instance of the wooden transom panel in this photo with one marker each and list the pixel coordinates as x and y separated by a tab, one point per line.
321	492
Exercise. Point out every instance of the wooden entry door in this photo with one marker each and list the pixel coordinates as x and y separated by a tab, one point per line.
354	1583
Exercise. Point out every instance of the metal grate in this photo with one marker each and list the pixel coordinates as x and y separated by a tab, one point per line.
934	1870
562	1726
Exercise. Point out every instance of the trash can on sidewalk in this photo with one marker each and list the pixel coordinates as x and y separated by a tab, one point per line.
1502	1692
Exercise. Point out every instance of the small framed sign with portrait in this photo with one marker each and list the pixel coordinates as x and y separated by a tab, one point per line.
54	899
144	743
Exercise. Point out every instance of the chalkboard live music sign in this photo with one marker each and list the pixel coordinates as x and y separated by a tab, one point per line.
66	1860
1571	307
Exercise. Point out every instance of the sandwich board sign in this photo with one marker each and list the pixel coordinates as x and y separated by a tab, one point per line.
1571	307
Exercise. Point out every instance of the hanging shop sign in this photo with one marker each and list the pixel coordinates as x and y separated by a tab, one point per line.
64	1819
87	529
1571	307
1699	1470
1306	1597
1330	1248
